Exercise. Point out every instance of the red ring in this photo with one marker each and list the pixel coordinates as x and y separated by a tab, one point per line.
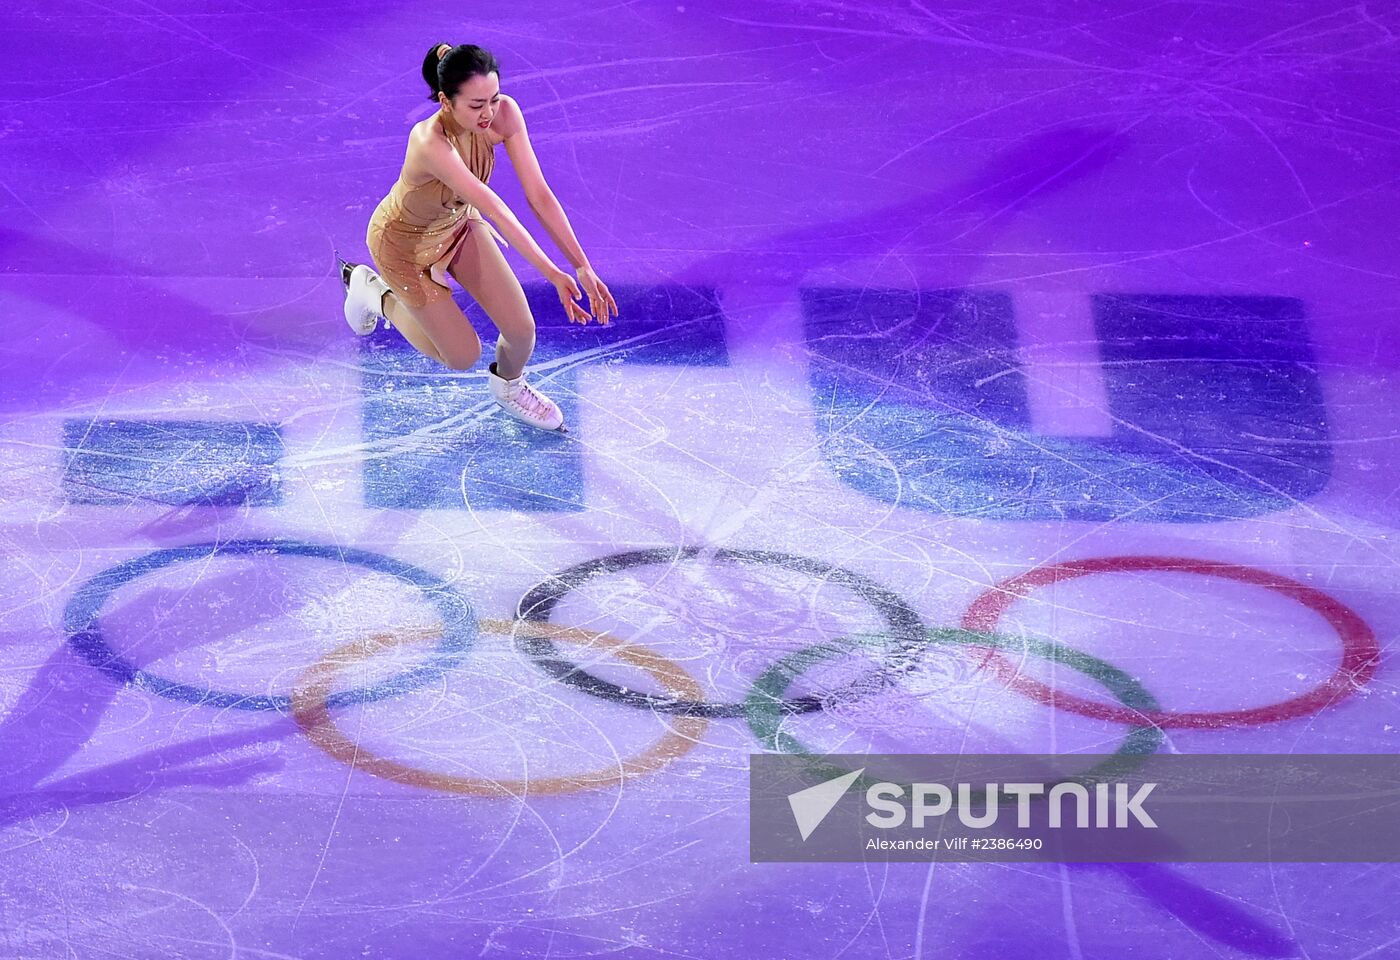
1360	650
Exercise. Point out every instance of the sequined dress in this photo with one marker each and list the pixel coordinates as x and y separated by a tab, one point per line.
417	230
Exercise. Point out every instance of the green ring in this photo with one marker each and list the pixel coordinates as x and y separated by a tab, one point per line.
764	705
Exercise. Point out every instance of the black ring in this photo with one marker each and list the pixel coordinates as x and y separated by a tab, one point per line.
537	606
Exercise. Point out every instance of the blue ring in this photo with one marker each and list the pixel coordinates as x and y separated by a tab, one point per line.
80	622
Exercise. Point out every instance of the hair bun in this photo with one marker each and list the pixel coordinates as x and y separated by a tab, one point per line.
446	76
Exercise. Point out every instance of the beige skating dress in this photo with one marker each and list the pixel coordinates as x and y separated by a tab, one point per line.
417	230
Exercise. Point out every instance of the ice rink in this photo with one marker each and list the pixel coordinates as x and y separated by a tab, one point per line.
1074	325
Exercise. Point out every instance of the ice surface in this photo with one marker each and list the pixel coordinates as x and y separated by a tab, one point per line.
915	299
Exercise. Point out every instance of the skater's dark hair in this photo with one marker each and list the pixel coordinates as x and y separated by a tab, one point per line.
457	65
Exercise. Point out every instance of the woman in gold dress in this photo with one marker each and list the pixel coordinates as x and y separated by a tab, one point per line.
432	224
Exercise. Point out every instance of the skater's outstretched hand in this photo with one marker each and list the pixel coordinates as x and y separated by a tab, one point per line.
569	295
600	298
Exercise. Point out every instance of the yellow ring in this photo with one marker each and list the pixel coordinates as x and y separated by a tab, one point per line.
315	685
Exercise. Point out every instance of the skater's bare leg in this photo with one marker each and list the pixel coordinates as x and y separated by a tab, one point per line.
402	320
483	272
437	329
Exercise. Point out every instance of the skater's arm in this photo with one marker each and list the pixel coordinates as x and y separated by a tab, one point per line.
543	202
546	206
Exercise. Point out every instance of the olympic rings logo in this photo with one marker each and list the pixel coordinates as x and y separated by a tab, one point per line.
310	708
315	699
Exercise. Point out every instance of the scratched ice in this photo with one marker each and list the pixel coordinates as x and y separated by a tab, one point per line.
309	652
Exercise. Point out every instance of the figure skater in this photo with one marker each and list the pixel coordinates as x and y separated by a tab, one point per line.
431	225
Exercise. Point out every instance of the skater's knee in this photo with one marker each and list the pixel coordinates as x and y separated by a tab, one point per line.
518	340
462	358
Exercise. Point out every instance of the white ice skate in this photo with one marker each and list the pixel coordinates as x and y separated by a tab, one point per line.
364	295
524	402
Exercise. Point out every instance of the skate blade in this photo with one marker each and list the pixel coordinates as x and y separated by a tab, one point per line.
345	267
562	429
